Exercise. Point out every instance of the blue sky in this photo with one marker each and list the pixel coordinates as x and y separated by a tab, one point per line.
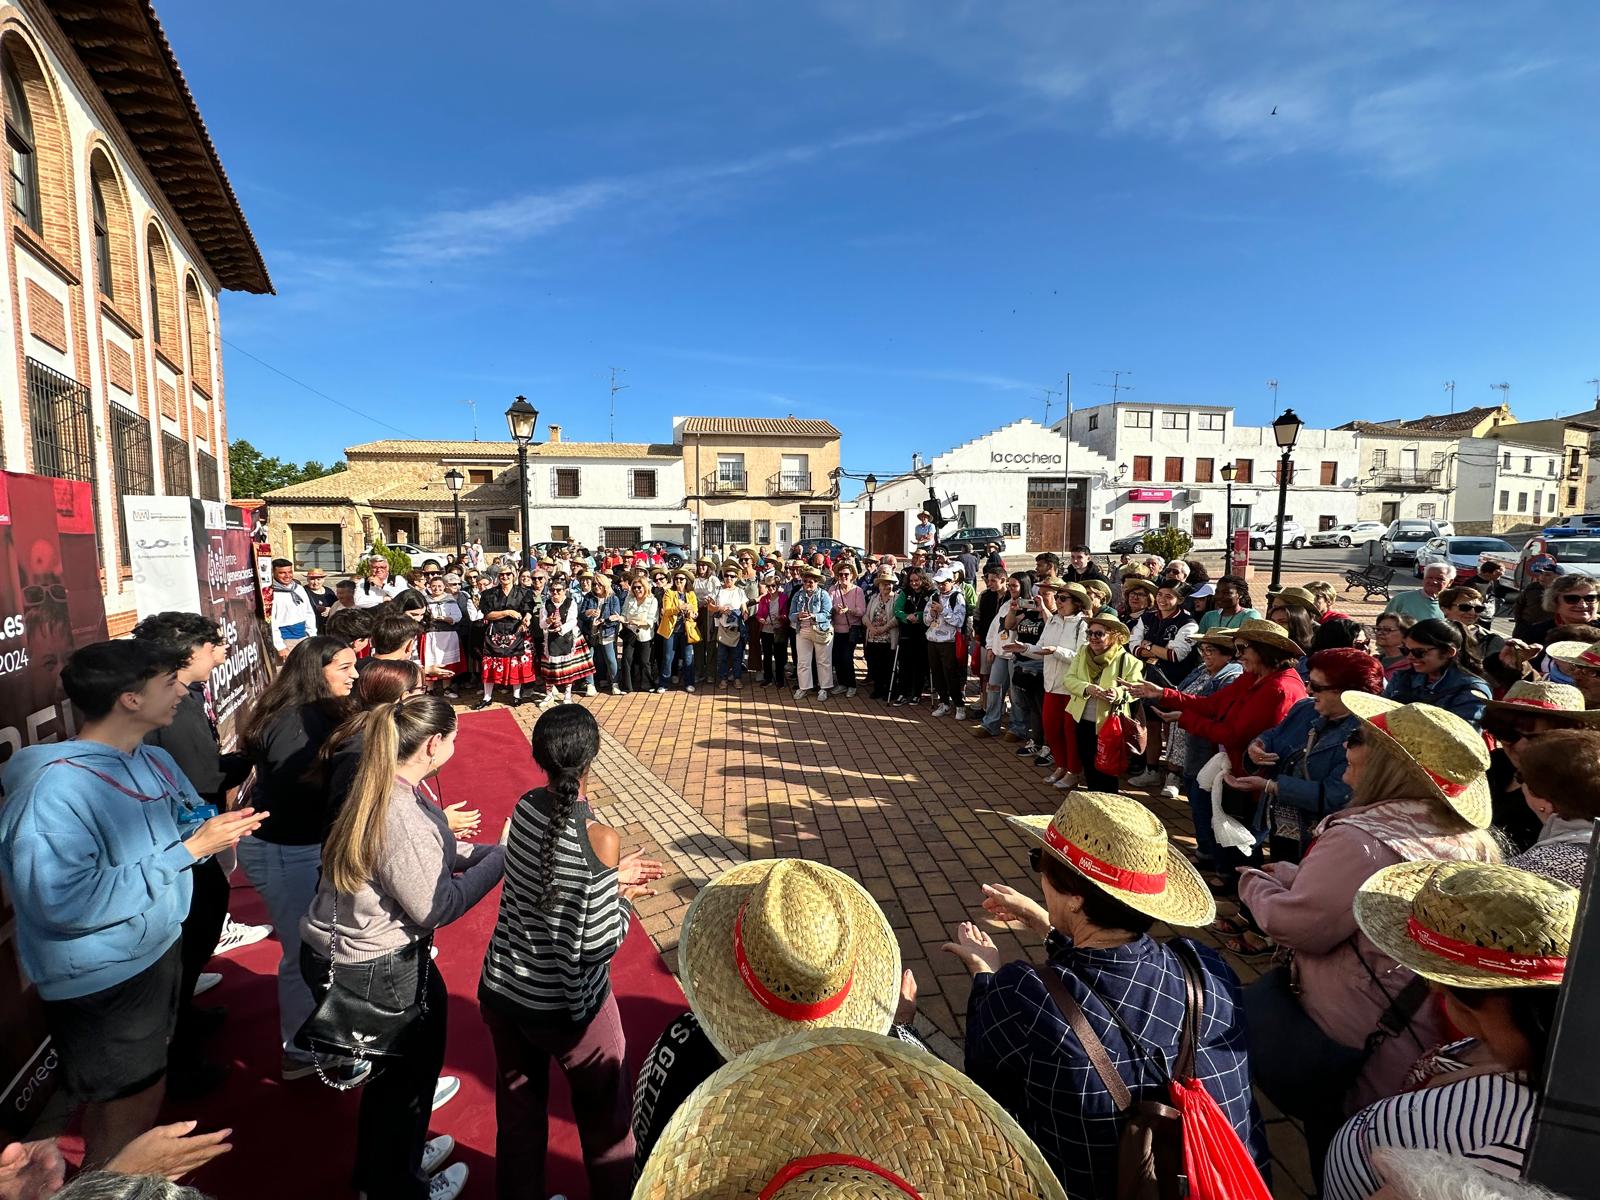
904	216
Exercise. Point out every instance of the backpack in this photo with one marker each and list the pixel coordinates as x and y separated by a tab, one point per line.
1168	1151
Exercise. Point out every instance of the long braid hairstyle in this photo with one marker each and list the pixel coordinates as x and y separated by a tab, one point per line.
565	742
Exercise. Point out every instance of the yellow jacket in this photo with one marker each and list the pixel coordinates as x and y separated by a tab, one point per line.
671	602
1123	666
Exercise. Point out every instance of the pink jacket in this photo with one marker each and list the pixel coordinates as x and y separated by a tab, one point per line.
849	608
1309	908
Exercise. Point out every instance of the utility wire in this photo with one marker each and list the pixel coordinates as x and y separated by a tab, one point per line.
315	391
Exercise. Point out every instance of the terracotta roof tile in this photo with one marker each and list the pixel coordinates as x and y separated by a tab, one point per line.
1461	422
434	450
760	426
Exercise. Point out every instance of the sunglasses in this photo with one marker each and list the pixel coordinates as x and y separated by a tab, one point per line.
1035	859
1316	689
1421	651
1098	633
1511	734
1585	598
1472	608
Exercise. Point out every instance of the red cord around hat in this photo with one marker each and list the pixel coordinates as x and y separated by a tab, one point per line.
787	1009
804	1166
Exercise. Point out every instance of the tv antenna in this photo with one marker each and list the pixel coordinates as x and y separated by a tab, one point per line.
1450	386
473	405
615	388
1116	385
1595	384
1049	393
1504	389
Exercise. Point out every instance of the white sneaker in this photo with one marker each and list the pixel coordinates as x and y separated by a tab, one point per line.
942	710
234	935
688	687
1066	782
436	1151
207	981
447	1184
661	689
588	689
1147	778
445	1091
961	712
1170	790
849	692
799	693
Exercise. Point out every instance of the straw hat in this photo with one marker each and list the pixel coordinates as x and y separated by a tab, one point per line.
1474	925
1216	637
1575	654
1443	752
1268	633
1077	591
1298	597
838	1114
1539	698
813	941
1138	583
681	573
731	564
706	562
1110	623
809	572
1121	847
1132	571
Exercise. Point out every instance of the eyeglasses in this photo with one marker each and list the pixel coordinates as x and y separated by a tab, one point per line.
1035	859
1584	598
1472	608
1511	734
1355	739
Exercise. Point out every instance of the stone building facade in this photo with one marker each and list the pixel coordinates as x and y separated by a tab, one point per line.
759	481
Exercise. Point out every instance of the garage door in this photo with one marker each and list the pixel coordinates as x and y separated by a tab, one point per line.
318	546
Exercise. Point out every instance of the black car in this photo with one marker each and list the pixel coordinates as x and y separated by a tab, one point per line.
1131	544
832	547
974	540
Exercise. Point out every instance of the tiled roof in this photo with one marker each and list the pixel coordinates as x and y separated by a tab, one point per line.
1461	422
432	450
760	426
1589	418
354	484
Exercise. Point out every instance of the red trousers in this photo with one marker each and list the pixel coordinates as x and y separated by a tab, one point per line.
1060	732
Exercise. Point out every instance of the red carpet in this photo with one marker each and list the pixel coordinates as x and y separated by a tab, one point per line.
298	1138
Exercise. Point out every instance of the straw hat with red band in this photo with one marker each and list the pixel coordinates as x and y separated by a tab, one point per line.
1560	702
1121	846
1268	633
780	944
1472	925
835	1113
1575	654
1443	752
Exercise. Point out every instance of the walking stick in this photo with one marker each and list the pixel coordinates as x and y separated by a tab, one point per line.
894	667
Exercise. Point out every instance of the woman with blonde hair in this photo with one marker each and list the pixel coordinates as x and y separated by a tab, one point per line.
392	873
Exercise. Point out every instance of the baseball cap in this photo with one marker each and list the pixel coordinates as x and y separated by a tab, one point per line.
944	576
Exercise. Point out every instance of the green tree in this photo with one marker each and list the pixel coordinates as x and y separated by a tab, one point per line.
254	474
399	560
1169	542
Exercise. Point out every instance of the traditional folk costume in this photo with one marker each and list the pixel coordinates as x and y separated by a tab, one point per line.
507	649
564	658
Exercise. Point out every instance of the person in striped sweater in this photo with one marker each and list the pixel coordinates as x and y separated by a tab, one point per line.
545	992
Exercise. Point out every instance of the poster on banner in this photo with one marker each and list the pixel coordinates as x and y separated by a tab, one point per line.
50	604
198	556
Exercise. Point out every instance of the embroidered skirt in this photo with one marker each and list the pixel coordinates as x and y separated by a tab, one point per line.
560	670
511	670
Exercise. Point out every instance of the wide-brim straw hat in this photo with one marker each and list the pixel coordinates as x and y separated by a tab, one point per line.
1268	633
1111	623
1472	925
1077	591
810	573
1216	637
1560	702
1575	654
817	952
1440	750
1122	848
1298	597
834	1114
706	562
1138	584
731	564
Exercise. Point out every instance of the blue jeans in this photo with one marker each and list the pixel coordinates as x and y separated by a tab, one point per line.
730	661
1200	814
675	644
606	653
994	707
744	652
286	879
1027	704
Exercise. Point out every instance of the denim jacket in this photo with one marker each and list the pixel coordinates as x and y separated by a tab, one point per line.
1311	781
1456	691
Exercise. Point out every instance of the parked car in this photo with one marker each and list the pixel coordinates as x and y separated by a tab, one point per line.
1347	535
1578	553
1266	534
832	547
1130	544
675	553
975	539
1576	521
1399	545
1462	553
419	557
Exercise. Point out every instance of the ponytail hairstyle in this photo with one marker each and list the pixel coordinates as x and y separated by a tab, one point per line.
384	681
1443	634
565	742
391	734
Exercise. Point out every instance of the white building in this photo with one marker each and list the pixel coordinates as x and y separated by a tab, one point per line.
1502	485
1014	479
608	493
1167	460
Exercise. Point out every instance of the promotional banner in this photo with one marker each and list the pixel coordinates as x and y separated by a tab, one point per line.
198	556
50	604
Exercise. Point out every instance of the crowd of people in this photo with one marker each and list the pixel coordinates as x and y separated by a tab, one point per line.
1395	820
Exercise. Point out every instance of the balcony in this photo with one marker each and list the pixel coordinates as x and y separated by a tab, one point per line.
1412	479
790	484
724	483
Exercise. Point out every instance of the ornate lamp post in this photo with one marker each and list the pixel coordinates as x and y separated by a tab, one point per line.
1286	431
871	485
523	418
1229	470
454	479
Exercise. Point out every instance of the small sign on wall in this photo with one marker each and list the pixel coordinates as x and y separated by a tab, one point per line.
1106	524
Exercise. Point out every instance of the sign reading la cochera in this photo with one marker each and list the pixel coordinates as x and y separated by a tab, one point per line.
1023	458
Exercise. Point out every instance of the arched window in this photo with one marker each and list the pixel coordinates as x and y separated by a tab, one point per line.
155	291
102	243
160	285
113	233
199	335
24	158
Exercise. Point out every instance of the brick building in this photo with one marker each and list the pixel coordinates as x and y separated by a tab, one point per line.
121	229
759	481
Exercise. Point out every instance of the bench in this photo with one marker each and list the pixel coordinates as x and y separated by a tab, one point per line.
1373	580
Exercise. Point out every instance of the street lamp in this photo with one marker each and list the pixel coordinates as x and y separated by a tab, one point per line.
454	479
1286	431
871	486
523	417
1229	470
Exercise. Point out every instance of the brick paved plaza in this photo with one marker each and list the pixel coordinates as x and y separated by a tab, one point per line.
907	804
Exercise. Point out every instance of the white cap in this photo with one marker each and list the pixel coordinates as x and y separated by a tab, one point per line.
944	576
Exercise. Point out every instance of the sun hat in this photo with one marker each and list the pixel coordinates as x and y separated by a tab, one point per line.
1472	925
1441	750
1077	591
1541	698
1139	583
810	572
1110	623
731	564
1575	654
1298	597
706	562
1268	633
1222	638
680	571
778	945
1203	592
836	1113
1132	571
1120	846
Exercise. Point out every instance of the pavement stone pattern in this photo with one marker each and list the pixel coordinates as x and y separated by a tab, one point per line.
908	804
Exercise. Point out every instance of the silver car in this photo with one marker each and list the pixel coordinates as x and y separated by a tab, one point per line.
1345	536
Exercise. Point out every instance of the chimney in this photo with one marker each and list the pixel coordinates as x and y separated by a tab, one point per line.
555	433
